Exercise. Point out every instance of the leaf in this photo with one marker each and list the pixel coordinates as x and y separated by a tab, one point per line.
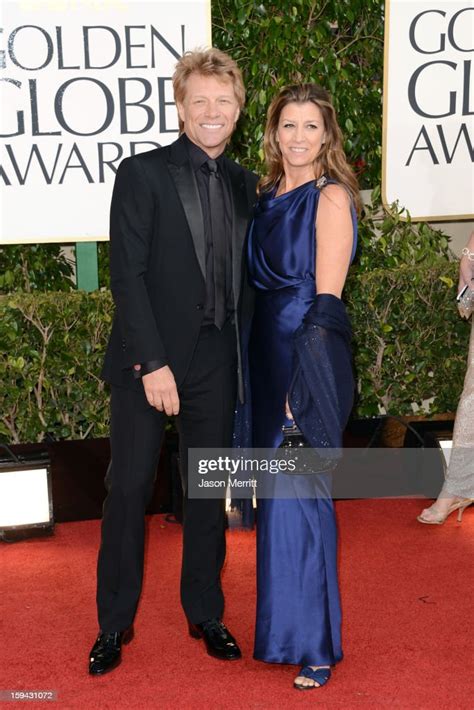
447	280
242	16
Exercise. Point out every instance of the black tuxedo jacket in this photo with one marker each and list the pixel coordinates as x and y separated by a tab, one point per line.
157	261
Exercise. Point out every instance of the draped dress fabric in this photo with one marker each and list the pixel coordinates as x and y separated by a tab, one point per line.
298	605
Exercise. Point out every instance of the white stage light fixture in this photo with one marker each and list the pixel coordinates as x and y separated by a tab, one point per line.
26	502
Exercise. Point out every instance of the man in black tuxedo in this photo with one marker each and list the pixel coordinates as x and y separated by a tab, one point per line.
179	216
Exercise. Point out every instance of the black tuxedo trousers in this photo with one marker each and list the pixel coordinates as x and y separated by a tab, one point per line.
207	400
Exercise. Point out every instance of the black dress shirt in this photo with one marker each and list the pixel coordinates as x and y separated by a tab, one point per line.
198	159
199	164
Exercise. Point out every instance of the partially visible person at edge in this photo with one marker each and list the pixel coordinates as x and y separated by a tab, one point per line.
301	242
178	221
457	492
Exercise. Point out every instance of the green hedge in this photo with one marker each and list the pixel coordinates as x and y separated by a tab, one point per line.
410	346
410	343
52	346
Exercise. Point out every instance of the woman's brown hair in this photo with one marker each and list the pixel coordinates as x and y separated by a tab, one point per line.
331	159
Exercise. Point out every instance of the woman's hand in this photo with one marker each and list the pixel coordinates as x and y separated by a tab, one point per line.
288	410
466	267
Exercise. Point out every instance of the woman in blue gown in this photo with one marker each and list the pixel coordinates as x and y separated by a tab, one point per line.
301	242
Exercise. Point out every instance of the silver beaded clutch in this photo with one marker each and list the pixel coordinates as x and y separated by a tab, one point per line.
466	302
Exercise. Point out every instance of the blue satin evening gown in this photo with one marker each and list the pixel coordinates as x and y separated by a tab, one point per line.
298	605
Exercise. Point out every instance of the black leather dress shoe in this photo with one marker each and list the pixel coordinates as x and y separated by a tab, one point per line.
219	642
106	653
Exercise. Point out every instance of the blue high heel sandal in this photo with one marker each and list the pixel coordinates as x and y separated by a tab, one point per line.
320	676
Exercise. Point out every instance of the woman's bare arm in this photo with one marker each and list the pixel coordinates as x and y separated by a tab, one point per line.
334	238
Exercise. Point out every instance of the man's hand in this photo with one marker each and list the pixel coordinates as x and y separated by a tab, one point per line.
160	390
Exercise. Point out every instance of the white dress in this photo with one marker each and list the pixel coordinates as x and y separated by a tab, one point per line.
460	473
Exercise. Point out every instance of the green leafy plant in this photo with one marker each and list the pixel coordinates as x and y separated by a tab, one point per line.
410	344
52	349
37	267
103	263
336	43
389	239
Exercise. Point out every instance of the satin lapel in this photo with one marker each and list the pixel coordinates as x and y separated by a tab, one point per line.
186	185
240	217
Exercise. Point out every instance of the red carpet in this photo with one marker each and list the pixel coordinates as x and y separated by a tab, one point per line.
407	602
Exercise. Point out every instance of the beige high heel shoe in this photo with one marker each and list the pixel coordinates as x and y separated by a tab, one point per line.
460	506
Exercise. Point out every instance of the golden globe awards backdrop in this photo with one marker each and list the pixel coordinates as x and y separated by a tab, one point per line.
83	83
428	145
